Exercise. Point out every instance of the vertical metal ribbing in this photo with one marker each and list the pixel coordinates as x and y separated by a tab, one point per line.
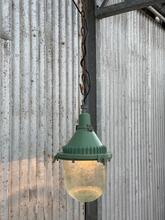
5	20
69	94
5	75
55	110
41	110
149	122
42	95
48	197
15	123
24	108
130	82
5	108
33	10
62	101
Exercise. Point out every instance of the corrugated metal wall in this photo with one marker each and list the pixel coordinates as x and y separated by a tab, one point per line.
131	115
39	102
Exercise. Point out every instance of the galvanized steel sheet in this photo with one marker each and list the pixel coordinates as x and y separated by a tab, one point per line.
39	102
131	115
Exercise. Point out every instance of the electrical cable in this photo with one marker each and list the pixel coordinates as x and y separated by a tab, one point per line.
76	6
85	87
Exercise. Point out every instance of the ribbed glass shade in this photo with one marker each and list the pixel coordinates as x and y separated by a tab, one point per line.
84	180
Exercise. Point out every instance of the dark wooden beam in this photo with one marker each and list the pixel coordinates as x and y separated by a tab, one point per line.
91	208
123	7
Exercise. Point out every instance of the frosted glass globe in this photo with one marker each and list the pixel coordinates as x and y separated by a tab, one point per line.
84	180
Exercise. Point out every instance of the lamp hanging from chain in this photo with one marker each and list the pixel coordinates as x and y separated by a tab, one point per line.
84	157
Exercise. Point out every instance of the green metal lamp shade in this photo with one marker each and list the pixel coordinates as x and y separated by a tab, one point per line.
84	145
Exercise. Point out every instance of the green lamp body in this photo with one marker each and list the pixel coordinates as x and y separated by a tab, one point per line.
84	162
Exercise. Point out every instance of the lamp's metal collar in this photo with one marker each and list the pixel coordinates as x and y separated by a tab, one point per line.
84	145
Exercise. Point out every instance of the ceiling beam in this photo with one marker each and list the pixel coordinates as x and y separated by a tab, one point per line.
104	3
123	7
160	8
